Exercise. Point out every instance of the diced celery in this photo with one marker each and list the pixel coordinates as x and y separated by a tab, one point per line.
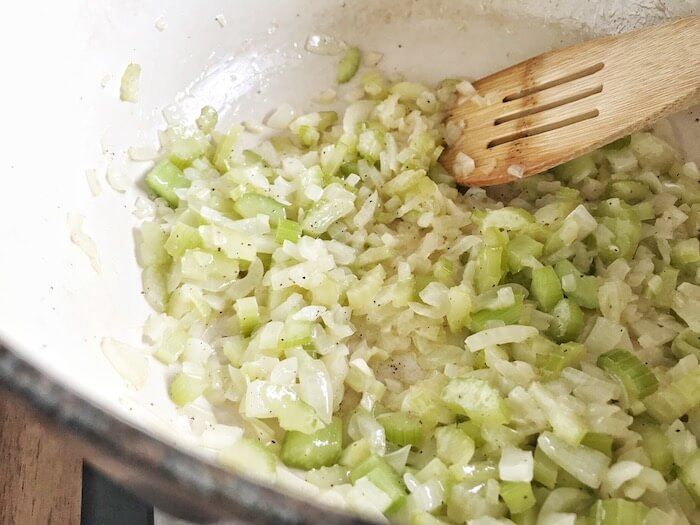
319	449
472	430
172	345
599	441
252	204
355	453
403	182
585	289
626	237
402	428
224	149
685	251
616	511
518	496
234	348
660	287
686	343
689	474
576	169
454	445
444	271
326	294
164	179
248	314
408	91
477	399
151	251
250	457
652	151
657	448
129	86
508	218
565	355
567	321
489	268
673	400
182	238
509	315
423	518
636	378
529	517
546	288
233	243
288	231
378	471
631	191
622	160
348	64
185	388
364	291
295	333
435	469
521	251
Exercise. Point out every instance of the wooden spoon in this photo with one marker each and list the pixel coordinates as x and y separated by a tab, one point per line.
564	103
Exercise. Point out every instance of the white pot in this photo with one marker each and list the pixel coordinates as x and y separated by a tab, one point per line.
62	116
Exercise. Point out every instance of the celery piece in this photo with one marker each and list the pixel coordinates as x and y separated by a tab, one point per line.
617	511
295	333
129	86
477	399
657	448
626	236
686	343
630	191
319	449
348	64
182	238
660	287
508	218
546	288
599	441
585	290
378	471
689	474
489	268
518	496
355	453
576	169
434	470
151	251
545	471
673	400
408	91
454	445
685	251
636	378
567	321
652	151
248	315
234	348
250	457
509	315
252	204
522	250
185	388
224	148
288	231
444	271
164	179
565	355
402	428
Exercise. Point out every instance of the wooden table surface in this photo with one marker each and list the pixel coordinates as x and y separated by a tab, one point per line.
40	476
